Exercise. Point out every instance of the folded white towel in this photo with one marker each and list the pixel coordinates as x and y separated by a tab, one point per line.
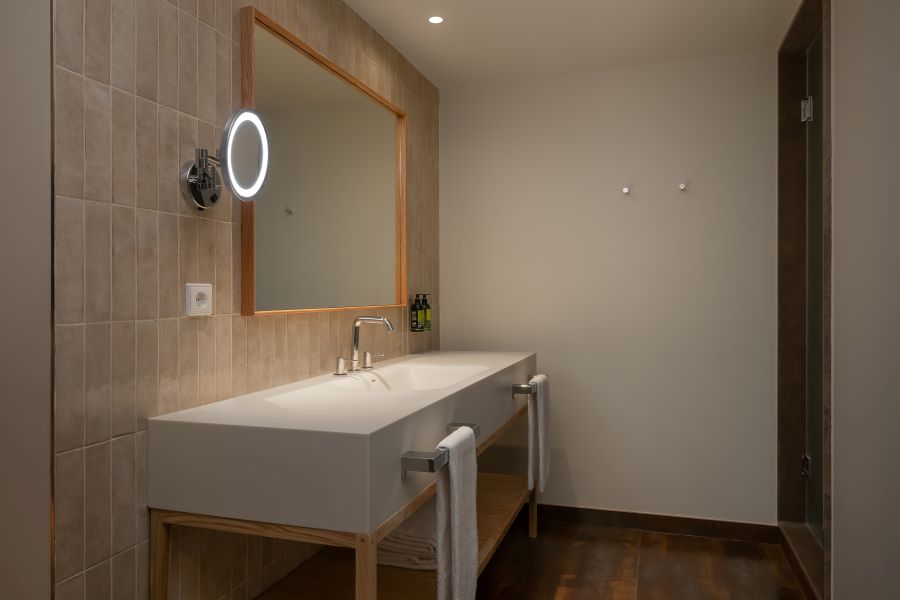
413	544
538	432
457	527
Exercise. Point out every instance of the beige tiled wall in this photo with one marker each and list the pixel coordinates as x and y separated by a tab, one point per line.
138	84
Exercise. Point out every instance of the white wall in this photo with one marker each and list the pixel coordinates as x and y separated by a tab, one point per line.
25	300
654	314
866	392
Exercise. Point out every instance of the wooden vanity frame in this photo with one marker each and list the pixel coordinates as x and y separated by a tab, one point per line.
365	546
250	17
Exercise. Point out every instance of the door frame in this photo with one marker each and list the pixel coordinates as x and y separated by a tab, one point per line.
812	17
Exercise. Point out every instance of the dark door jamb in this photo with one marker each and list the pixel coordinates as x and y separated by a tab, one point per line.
814	16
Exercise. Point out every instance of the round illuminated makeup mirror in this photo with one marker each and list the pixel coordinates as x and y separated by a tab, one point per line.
245	154
243	158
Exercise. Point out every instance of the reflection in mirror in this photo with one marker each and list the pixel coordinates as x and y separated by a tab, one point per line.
246	156
326	220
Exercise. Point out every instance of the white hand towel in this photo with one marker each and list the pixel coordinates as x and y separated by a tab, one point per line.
413	545
457	527
538	432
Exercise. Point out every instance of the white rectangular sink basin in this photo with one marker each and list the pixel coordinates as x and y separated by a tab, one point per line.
325	452
414	374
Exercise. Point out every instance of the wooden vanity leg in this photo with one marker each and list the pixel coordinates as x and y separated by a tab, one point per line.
532	514
159	556
366	568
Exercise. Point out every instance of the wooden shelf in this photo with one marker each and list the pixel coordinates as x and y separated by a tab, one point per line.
330	574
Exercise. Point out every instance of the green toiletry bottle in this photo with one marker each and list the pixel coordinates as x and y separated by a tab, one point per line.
421	312
427	308
414	315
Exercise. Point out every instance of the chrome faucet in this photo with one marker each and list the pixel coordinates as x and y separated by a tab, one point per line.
354	358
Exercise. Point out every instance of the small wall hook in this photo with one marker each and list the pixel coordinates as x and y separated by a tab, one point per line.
682	186
626	190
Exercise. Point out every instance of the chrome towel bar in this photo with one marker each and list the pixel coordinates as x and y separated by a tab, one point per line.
423	462
523	389
433	461
473	426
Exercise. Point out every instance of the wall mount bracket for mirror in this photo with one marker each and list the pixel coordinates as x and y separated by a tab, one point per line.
200	181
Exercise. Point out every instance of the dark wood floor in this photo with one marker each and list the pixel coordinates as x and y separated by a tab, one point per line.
571	561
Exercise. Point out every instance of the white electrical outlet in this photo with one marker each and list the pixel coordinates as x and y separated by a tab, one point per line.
198	299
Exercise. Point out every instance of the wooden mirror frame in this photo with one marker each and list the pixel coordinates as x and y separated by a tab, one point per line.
250	17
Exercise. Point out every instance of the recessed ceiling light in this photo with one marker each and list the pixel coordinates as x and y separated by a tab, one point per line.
435	20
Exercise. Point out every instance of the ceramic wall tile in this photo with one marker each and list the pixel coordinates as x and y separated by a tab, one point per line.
68	135
139	85
168	53
97	383
97	122
68	35
147	49
123	584
147	287
97	513
124	263
123	414
123	147
97	582
187	63
69	513
68	272
146	371
122	44
71	589
122	465
147	154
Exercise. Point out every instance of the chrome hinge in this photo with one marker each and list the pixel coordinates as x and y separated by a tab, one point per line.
804	466
806	110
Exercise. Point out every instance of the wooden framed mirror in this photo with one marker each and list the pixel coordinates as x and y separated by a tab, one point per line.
328	230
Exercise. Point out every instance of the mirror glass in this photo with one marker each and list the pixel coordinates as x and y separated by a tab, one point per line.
245	153
326	220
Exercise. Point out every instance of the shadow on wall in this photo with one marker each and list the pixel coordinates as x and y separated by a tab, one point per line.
509	455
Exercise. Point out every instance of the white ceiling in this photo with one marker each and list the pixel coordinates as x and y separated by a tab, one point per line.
486	40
